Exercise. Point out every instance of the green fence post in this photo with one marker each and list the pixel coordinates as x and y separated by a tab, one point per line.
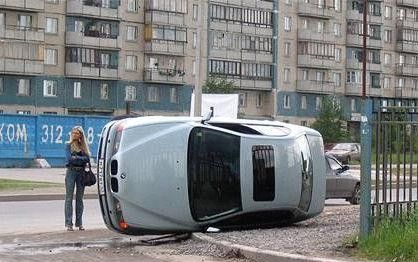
366	152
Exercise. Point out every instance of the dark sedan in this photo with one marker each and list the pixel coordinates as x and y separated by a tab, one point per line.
340	182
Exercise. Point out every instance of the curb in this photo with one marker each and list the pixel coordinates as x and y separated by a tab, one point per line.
44	197
258	254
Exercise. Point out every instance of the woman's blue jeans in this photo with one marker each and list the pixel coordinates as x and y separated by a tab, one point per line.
73	179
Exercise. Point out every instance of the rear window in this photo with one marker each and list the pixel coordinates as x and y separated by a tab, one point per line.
213	170
263	173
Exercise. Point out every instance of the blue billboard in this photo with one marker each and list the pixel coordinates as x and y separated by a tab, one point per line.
25	137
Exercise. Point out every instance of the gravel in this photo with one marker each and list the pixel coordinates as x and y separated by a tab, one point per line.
322	236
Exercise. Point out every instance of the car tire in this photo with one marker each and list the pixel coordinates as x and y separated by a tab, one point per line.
355	197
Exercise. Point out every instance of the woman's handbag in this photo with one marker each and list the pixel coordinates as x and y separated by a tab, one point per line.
89	178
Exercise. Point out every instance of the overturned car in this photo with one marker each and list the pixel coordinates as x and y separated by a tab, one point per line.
180	174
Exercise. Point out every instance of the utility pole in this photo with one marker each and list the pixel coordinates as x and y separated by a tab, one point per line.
366	139
197	91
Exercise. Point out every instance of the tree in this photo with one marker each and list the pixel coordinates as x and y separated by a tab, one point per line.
330	122
218	85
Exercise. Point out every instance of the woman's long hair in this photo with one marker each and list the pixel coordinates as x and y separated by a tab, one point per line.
77	146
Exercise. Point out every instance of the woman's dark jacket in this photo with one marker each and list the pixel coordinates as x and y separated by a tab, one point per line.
75	159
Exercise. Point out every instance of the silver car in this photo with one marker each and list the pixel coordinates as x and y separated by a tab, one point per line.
340	182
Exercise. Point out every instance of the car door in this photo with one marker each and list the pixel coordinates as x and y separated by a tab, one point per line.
331	179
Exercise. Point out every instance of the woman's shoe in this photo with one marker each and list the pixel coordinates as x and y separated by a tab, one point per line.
81	228
70	228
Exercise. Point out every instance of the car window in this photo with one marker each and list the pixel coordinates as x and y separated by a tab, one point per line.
333	164
342	146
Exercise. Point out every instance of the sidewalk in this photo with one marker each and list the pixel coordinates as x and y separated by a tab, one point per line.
53	175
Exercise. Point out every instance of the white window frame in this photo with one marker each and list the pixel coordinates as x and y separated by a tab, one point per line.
286	75
303	103
51	25
286	101
104	91
77	89
130	93
51	56
132	6
195	12
50	88
287	48
318	103
131	63
131	33
259	100
174	95
153	94
287	23
23	87
242	100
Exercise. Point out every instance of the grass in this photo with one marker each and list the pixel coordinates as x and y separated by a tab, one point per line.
392	240
11	184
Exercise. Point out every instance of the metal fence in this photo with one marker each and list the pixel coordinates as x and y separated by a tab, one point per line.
395	168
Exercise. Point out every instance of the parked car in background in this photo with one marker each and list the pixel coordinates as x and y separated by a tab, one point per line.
345	152
340	183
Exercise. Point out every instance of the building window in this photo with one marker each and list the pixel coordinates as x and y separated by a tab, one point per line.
51	25
387	37
194	39
388	12
387	59
288	2
259	100
375	80
132	5
286	101
242	99
263	173
338	54
130	93
337	5
77	89
195	12
415	83
353	105
286	75
320	26
24	21
53	1
337	79
303	123
23	87
354	77
287	23
131	33
50	113
318	103
50	88
303	103
131	62
287	48
174	96
386	82
23	112
337	29
305	74
153	94
51	56
104	91
1	85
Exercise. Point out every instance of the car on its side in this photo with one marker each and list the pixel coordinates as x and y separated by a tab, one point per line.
340	182
345	152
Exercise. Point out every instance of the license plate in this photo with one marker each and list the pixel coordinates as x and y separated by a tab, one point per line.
100	174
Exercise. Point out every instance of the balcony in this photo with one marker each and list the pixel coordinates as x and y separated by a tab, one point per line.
407	3
407	23
26	5
356	64
314	10
356	15
255	84
21	66
90	71
164	75
78	7
105	41
27	34
403	92
313	35
407	70
162	17
357	40
315	61
355	89
165	47
316	87
407	47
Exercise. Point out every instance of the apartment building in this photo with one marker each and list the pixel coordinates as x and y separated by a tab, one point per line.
95	56
320	53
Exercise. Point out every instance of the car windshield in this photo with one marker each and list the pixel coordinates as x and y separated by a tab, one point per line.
334	164
342	146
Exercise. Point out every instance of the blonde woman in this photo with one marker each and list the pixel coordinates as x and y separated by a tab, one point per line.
77	156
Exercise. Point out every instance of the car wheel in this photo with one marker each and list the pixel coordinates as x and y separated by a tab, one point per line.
355	198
